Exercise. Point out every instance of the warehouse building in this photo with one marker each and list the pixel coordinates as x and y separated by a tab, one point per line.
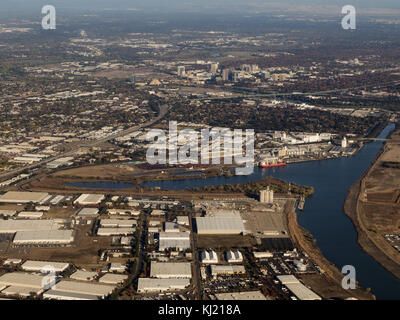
123	212
81	275
38	266
30	214
171	227
117	267
110	278
220	225
227	270
174	240
89	199
13	226
165	270
115	231
45	237
86	288
234	256
54	294
161	285
209	256
297	288
183	220
263	255
88	212
20	283
23	197
117	223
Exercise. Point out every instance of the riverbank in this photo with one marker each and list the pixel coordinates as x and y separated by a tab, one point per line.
373	206
328	284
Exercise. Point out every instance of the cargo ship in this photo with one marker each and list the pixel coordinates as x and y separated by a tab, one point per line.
271	165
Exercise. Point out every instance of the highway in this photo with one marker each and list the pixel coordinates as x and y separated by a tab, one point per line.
271	95
163	111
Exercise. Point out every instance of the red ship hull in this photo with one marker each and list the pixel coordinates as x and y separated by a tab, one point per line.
280	164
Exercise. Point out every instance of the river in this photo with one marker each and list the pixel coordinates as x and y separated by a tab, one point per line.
323	213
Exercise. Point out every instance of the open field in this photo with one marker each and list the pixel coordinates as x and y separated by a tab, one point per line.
224	241
83	252
373	205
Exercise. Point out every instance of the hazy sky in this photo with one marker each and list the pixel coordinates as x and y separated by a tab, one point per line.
193	5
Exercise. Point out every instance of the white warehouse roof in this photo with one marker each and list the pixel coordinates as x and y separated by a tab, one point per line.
158	285
118	223
87	198
23	197
170	270
31	214
115	231
23	279
100	290
54	294
111	278
83	275
31	265
220	225
297	288
88	212
178	240
44	237
234	256
12	226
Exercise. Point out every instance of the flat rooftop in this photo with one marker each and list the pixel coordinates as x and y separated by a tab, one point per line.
23	197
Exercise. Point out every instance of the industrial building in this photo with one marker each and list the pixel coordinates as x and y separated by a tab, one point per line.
88	212
38	266
22	197
267	196
175	240
81	275
13	226
183	220
21	283
117	223
234	256
171	227
161	285
165	270
297	288
220	225
30	214
58	237
115	231
86	288
226	270
89	199
117	267
209	256
110	278
54	294
263	255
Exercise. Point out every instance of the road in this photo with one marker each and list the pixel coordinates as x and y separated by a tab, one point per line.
271	95
196	263
163	110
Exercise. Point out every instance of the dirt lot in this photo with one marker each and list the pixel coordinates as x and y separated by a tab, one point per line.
107	171
83	252
224	241
373	205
